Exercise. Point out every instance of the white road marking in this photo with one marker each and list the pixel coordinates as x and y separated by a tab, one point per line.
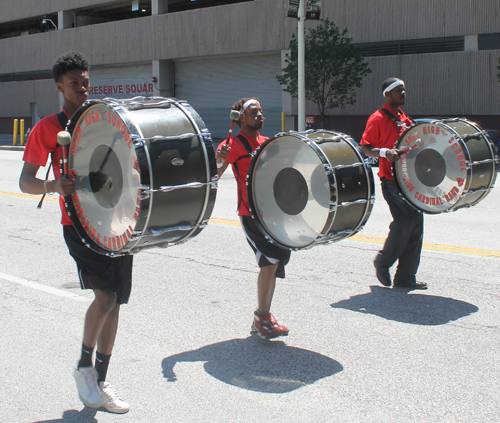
44	288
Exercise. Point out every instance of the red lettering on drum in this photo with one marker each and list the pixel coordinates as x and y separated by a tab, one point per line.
109	117
411	138
72	173
451	195
424	199
87	225
135	164
98	239
113	242
79	213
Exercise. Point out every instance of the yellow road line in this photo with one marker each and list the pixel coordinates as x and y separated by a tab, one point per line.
363	238
381	240
34	197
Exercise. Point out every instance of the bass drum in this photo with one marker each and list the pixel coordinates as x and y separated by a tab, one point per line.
145	174
310	188
448	164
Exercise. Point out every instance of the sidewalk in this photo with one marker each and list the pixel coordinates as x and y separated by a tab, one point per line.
6	143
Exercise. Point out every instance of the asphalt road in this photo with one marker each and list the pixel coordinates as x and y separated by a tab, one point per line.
357	352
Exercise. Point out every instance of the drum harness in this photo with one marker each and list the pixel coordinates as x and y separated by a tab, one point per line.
397	121
251	153
63	120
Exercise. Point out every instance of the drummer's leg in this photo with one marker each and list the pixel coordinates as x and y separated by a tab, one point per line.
266	283
410	259
400	229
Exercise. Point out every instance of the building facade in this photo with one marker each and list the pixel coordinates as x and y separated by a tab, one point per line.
213	52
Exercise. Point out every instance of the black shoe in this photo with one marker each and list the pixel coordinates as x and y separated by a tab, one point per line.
383	275
410	285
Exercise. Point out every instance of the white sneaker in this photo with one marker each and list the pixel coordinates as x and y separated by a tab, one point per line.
111	401
86	383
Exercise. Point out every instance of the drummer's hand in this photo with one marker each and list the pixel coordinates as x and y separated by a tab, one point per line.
63	186
222	153
393	155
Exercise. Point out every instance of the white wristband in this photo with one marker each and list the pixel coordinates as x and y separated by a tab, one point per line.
219	165
382	152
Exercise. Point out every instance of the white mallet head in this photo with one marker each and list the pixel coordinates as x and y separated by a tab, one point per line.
234	115
63	138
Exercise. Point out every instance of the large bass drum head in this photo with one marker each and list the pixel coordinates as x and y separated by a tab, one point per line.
102	160
432	173
289	191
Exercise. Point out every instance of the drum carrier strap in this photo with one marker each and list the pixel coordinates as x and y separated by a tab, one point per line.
248	148
63	120
395	119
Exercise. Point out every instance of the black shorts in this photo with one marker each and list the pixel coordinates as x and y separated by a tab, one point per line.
266	253
98	271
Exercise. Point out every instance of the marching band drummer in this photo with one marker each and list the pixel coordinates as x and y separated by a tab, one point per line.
110	278
404	242
271	259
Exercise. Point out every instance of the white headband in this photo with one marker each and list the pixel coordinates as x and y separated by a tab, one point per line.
249	103
392	86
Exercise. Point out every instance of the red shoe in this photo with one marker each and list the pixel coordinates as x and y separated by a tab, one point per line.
267	327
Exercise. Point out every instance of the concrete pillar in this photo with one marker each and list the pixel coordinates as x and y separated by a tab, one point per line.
470	42
159	7
164	74
66	19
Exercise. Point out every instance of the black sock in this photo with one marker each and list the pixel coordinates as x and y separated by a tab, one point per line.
86	357
101	366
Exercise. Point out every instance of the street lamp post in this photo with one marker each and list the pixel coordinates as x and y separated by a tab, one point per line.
301	95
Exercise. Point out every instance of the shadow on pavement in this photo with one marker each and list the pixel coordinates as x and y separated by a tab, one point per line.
256	365
401	306
87	415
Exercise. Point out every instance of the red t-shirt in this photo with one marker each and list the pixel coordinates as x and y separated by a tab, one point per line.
382	132
240	164
41	143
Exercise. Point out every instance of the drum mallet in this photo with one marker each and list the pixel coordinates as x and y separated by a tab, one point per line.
63	139
234	116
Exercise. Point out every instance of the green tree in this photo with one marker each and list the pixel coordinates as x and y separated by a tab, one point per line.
334	68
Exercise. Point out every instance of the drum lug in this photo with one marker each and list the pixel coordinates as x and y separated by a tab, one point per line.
144	192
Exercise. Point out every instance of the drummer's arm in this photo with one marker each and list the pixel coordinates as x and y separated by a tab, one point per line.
30	184
393	155
220	158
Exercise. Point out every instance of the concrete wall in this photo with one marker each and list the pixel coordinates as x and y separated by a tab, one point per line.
461	83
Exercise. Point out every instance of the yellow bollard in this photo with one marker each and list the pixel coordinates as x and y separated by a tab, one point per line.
21	131
14	141
282	121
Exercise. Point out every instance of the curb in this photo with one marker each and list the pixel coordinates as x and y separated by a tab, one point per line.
12	147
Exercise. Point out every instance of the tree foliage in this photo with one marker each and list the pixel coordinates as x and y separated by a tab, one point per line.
334	68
